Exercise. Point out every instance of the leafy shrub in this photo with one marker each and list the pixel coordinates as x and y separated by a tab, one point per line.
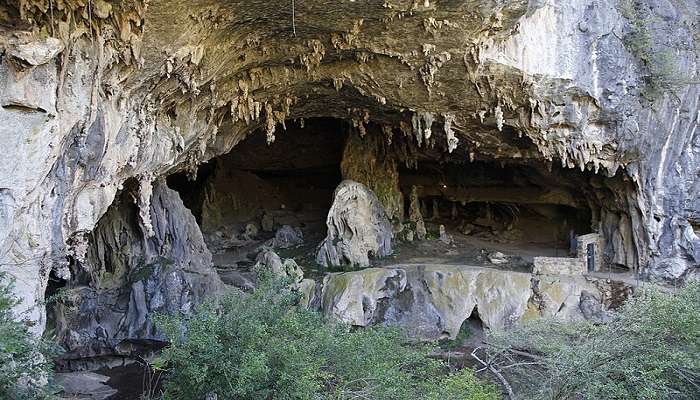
649	350
261	346
25	362
659	62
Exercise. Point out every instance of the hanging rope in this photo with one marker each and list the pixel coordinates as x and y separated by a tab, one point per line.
294	26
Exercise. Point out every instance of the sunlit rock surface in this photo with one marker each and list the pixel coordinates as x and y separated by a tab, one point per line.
433	301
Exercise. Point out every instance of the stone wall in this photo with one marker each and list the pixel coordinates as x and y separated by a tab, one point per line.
582	250
573	265
559	265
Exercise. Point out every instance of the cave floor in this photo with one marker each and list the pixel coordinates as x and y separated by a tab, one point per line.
479	250
464	250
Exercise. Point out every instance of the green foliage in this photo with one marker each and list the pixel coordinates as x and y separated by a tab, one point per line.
25	362
649	350
463	334
145	270
659	62
262	346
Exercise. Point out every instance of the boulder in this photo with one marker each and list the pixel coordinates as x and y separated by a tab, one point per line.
34	53
268	260
287	237
251	231
497	258
432	301
358	228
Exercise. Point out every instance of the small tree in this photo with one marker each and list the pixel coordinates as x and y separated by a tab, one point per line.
262	346
25	361
649	350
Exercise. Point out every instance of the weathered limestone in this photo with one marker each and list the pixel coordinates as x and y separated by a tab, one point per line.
268	260
128	276
129	96
432	301
365	160
358	228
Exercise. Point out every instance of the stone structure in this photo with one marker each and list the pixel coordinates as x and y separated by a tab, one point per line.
559	265
589	258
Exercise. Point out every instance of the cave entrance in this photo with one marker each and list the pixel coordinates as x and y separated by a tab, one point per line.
503	213
54	286
241	199
497	214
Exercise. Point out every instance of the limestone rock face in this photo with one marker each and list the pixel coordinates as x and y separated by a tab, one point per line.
93	95
365	161
358	228
127	277
432	301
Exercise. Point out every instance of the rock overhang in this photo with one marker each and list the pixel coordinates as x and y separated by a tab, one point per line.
172	84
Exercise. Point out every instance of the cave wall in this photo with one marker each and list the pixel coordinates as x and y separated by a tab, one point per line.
130	274
96	93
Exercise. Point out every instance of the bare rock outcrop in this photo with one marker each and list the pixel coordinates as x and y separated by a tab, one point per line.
91	98
358	228
432	301
128	277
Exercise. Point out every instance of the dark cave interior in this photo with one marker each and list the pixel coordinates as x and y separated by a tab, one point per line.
514	206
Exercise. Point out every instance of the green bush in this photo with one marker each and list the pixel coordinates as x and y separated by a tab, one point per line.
658	61
25	362
262	346
649	350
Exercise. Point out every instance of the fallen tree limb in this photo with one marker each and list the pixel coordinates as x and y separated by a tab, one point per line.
496	373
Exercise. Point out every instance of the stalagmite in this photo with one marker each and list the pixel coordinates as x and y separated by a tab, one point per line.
415	215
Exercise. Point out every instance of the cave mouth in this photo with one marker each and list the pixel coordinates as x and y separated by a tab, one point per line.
241	199
52	294
492	213
479	212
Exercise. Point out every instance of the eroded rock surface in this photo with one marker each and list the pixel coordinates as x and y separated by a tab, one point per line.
94	97
128	276
433	301
268	261
358	228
